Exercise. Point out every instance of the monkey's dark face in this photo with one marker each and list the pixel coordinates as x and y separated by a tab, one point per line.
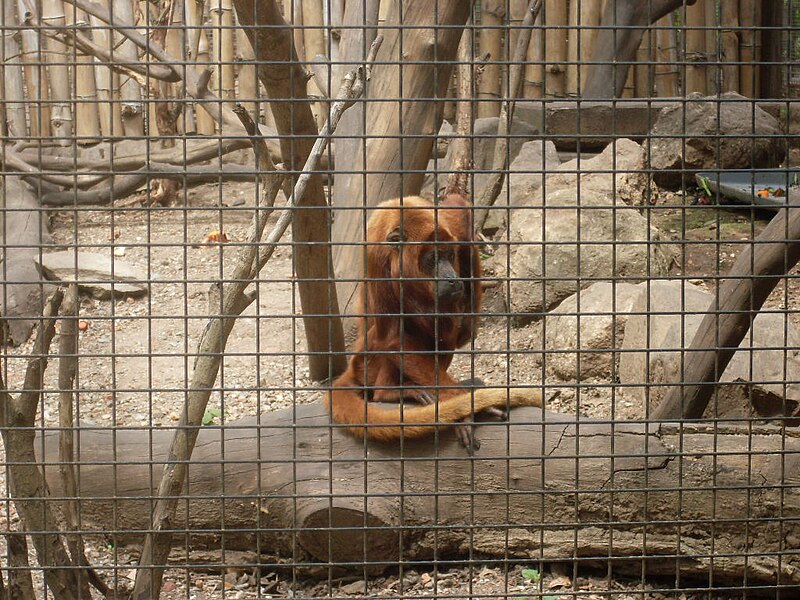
439	264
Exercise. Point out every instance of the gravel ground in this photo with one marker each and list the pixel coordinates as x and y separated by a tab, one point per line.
135	363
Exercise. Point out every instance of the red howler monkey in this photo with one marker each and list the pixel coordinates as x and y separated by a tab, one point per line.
423	293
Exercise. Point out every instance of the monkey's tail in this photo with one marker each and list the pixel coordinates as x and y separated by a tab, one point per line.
386	424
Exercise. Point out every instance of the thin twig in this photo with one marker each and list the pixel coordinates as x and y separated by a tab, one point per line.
500	162
230	299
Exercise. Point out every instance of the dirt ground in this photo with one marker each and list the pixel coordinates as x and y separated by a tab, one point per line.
136	359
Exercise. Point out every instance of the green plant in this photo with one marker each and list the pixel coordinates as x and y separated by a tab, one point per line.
705	186
211	415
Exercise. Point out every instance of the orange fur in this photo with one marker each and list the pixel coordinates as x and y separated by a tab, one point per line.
407	334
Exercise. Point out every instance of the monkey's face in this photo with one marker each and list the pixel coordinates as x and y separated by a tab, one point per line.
429	266
439	264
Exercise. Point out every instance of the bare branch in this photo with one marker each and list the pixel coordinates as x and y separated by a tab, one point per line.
232	300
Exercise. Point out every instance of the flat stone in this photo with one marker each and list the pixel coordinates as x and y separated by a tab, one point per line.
98	273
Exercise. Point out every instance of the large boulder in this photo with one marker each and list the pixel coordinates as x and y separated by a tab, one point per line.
536	160
619	170
727	132
612	238
583	334
571	240
483	144
662	324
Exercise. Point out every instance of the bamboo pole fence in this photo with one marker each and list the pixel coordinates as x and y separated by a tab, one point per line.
53	89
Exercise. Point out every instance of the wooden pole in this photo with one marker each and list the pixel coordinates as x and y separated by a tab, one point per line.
667	73
773	43
584	17
314	42
644	73
13	104
199	54
57	72
490	39
35	73
248	75
713	52
729	21
695	48
556	18
741	294
533	85
176	46
224	80
108	110
750	47
87	125
130	93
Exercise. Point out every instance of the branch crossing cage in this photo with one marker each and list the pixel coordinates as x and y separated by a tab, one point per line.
400	299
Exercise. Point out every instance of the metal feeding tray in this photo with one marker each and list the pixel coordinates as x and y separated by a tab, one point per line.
767	188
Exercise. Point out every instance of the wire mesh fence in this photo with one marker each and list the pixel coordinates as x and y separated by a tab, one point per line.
402	299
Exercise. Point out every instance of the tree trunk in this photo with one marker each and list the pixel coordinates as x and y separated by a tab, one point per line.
284	79
773	46
247	78
224	81
562	477
759	268
396	166
314	41
622	26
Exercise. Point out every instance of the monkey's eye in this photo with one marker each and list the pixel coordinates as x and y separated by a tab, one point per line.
394	237
429	261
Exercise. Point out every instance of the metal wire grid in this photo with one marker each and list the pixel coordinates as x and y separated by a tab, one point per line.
275	518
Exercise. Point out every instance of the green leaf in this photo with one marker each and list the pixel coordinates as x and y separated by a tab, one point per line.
703	181
531	575
210	415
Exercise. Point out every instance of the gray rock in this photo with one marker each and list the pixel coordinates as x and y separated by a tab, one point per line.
598	314
664	322
713	133
619	170
557	248
483	145
536	160
100	274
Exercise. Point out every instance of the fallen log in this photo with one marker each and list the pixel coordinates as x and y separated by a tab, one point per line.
544	486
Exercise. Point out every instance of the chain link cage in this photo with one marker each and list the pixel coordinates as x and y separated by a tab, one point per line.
400	299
